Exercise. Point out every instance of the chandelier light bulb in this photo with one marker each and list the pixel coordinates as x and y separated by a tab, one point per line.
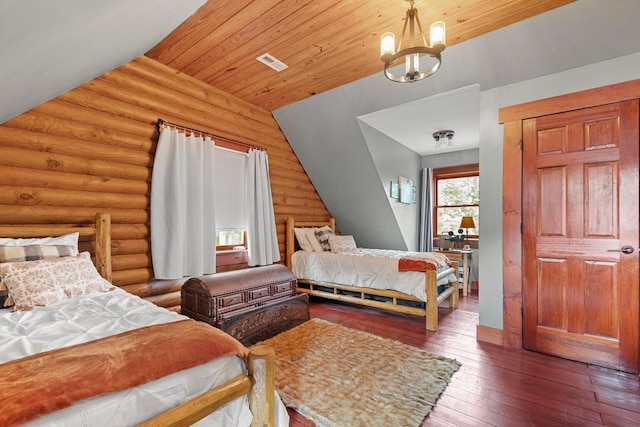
437	34
387	44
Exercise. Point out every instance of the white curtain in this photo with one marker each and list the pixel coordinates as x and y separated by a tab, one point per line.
425	243
183	229
262	239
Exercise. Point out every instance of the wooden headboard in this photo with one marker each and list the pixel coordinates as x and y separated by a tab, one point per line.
100	233
290	237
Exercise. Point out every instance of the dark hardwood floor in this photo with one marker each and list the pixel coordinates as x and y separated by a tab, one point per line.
497	386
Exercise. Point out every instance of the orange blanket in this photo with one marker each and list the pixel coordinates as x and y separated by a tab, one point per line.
423	262
49	381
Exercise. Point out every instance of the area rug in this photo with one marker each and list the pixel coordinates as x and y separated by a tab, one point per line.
338	376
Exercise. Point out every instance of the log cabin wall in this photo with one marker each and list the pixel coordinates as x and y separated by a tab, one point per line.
91	150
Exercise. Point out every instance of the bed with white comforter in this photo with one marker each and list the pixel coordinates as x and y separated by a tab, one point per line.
329	265
362	267
97	315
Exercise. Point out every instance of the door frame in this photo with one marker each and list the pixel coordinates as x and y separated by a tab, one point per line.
512	117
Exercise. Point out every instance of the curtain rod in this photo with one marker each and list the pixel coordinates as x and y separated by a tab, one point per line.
164	123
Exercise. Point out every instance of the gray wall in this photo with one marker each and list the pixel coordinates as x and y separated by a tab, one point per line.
392	160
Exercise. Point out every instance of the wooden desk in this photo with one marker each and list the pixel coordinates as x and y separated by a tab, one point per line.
465	257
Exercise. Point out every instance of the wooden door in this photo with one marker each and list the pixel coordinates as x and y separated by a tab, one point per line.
580	207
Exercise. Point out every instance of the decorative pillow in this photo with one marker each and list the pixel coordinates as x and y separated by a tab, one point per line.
342	244
18	253
70	239
43	282
323	234
34	252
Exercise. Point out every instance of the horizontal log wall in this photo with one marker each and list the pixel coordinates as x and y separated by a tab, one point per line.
91	150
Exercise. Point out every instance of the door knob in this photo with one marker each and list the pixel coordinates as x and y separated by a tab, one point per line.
626	249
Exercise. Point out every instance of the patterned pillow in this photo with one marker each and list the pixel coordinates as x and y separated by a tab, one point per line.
34	252
43	282
323	234
17	253
342	244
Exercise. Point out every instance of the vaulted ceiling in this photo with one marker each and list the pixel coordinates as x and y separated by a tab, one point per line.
324	43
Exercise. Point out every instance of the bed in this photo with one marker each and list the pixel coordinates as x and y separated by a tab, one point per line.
77	358
406	282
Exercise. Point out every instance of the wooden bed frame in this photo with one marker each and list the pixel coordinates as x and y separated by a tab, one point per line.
258	384
391	300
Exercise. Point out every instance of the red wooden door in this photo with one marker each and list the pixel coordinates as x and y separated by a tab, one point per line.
580	207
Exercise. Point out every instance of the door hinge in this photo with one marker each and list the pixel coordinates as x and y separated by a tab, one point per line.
522	312
521	145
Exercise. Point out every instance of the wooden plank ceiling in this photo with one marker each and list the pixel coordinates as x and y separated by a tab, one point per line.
325	43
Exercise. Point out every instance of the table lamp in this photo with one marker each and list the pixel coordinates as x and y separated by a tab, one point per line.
467	223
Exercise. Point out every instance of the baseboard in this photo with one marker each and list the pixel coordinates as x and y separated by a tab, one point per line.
490	335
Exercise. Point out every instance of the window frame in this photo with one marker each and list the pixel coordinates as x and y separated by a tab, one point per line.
459	171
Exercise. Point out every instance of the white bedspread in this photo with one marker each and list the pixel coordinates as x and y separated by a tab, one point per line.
371	268
89	317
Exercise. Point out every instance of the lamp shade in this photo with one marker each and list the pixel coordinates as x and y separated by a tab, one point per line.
467	222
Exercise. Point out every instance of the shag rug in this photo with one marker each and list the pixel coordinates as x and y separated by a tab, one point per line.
338	376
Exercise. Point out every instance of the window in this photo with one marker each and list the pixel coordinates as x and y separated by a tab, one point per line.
456	194
230	199
228	239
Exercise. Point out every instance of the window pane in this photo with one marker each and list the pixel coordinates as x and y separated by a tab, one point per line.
230	189
458	191
229	237
449	219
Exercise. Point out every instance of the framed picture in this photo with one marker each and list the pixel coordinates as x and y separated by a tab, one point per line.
393	190
406	192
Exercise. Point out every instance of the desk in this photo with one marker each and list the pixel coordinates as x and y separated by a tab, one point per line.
465	257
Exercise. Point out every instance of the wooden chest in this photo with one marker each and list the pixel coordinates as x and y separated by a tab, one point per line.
265	321
212	297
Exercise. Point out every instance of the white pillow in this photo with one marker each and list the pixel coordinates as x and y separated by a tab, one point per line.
301	237
43	282
70	239
307	239
342	244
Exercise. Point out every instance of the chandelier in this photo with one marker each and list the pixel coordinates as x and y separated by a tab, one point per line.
444	137
412	53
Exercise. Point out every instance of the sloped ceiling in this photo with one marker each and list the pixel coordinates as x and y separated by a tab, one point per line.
50	47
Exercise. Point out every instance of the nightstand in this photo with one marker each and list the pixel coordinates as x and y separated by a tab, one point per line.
465	257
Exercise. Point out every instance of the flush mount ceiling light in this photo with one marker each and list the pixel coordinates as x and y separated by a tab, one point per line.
443	137
412	53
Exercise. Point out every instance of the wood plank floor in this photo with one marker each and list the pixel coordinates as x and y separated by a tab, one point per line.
497	386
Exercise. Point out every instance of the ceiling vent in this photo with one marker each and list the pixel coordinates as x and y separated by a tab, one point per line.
272	62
